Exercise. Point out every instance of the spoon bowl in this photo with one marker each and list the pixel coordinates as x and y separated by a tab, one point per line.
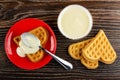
30	40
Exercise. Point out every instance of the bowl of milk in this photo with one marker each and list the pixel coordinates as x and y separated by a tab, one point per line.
75	22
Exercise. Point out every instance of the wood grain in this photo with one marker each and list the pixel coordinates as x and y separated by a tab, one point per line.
106	16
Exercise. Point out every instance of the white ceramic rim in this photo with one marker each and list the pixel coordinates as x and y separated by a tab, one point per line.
62	13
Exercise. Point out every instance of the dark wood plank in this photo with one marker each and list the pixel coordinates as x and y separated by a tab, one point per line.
106	15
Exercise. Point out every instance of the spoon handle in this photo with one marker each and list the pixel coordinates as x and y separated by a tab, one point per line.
67	65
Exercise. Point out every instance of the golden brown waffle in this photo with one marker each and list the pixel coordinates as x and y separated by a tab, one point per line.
42	34
93	50
36	57
100	49
75	49
17	40
88	64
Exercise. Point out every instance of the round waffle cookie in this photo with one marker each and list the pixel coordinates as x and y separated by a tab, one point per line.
42	34
88	64
75	49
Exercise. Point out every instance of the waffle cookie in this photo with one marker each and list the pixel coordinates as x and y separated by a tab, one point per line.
42	34
36	57
91	51
88	64
100	49
75	49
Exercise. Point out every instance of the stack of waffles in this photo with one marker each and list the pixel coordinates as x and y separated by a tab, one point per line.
91	51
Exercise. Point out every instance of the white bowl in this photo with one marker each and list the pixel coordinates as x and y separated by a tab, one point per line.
75	22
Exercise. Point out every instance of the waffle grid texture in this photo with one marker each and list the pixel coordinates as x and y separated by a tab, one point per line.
93	50
42	34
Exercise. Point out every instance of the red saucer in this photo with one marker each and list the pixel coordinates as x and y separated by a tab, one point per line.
26	25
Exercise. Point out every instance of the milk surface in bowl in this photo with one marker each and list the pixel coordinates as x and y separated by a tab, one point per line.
74	21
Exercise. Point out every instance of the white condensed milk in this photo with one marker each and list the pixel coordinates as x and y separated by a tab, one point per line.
74	22
22	50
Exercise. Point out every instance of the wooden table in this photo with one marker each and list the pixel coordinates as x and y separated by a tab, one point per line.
106	16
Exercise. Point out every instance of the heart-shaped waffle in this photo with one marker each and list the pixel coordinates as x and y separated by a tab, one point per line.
89	64
42	34
75	49
93	50
100	49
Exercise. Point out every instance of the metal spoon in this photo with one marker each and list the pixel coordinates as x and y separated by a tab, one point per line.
25	37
